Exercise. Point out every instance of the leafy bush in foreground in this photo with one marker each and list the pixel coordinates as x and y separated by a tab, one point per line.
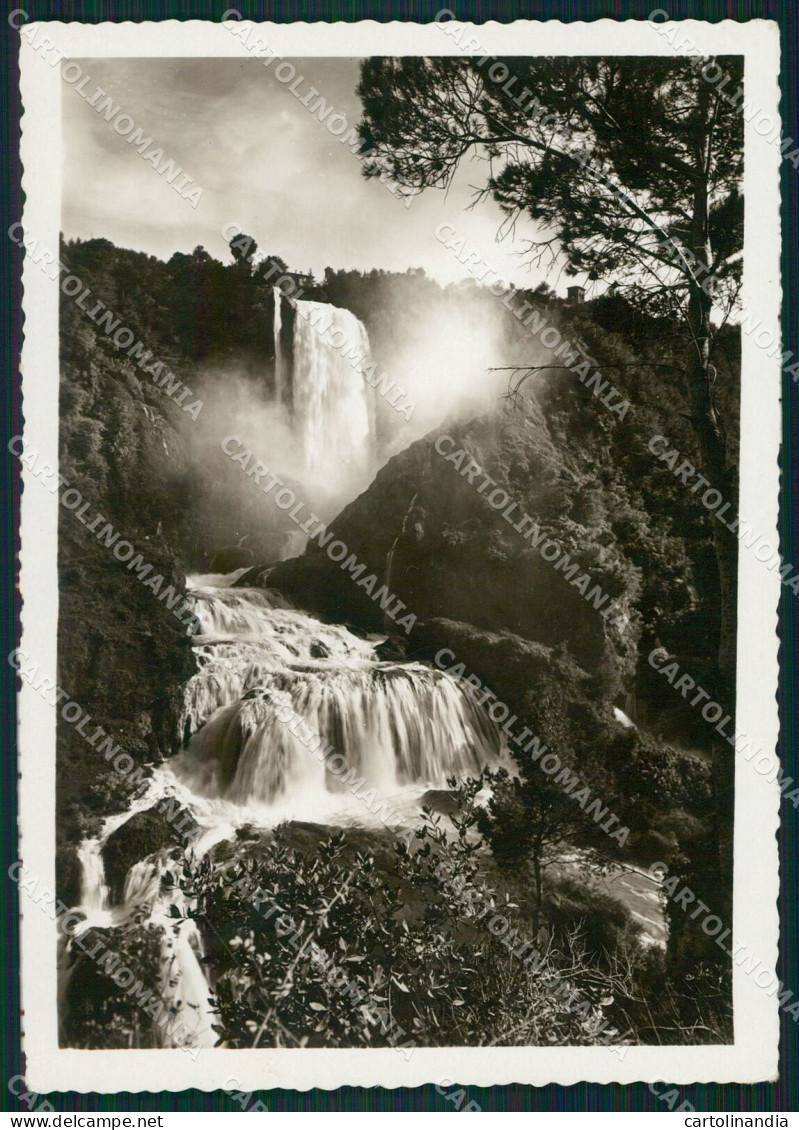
321	950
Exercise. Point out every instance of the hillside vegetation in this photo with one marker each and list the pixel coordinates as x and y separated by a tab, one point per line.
475	586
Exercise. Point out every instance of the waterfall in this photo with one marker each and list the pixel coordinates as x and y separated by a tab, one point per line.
94	890
279	362
328	396
389	725
183	989
377	735
143	881
393	726
286	718
229	612
246	633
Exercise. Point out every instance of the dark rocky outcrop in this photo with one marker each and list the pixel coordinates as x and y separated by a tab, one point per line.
124	657
393	649
231	557
542	686
511	666
453	556
143	834
660	793
123	653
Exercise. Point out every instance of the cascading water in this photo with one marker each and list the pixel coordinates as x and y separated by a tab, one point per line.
186	1009
286	718
329	406
381	734
394	726
280	375
397	728
94	893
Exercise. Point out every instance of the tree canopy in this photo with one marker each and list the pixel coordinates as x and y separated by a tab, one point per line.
631	168
614	157
242	248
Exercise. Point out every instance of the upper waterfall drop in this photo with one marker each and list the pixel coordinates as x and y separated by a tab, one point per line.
280	365
329	404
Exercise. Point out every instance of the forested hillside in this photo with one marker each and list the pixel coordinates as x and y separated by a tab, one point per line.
154	469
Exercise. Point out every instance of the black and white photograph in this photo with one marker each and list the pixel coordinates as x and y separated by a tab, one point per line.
399	554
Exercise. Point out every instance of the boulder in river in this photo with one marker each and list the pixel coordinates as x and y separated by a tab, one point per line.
143	834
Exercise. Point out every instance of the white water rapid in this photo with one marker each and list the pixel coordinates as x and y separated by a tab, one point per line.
400	727
182	1012
94	895
377	735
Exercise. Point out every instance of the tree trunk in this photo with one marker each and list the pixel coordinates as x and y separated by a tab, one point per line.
539	886
712	446
710	434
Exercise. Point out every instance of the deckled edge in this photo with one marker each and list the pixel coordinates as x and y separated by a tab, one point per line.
483	1081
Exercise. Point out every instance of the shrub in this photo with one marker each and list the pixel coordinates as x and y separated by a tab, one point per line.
308	950
603	922
97	1013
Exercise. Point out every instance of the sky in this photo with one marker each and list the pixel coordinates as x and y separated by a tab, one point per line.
265	163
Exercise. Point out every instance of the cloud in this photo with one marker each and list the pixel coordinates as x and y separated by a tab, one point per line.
263	161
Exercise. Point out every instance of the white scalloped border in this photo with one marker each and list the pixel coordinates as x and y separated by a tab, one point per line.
752	1059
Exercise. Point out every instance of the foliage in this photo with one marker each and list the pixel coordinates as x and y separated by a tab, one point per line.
527	817
327	942
651	786
243	248
650	771
597	490
414	957
594	488
591	481
575	905
634	169
98	1013
667	1007
610	167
